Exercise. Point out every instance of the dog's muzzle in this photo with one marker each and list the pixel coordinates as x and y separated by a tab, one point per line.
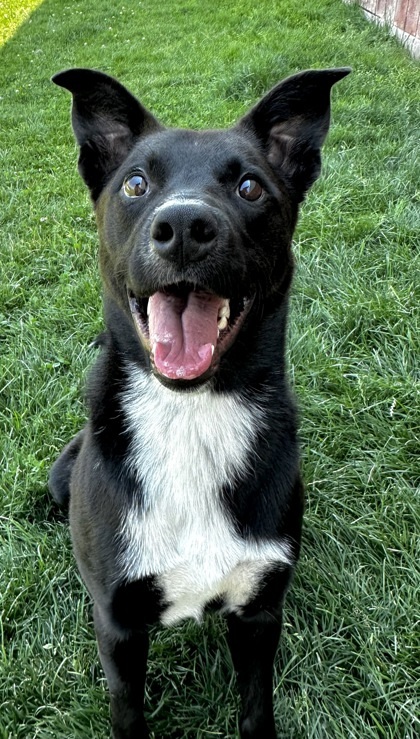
186	326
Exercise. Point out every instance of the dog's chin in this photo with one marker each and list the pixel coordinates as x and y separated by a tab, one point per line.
185	330
184	386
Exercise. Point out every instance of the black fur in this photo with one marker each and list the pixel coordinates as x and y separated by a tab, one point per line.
188	229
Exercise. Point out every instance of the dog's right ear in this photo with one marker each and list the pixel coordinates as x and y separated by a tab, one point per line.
107	120
291	123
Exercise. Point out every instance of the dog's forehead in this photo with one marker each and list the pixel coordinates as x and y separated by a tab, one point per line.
212	151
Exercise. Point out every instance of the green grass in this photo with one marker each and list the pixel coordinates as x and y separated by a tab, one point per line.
350	650
12	14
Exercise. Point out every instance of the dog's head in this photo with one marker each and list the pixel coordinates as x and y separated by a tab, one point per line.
196	226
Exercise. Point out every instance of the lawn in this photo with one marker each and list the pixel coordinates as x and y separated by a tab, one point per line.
350	653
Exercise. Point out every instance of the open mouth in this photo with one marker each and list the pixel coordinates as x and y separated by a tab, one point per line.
187	328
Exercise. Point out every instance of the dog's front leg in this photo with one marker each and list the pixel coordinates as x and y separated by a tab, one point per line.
124	661
253	643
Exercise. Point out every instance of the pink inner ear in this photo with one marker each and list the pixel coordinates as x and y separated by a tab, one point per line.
280	145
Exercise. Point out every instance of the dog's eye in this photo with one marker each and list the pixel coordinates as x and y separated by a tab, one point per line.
250	189
135	186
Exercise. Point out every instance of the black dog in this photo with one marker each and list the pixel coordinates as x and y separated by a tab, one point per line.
184	486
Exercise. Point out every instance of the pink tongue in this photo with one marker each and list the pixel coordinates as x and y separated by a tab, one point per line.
183	333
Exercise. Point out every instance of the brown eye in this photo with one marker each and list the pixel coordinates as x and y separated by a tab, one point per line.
250	189
135	186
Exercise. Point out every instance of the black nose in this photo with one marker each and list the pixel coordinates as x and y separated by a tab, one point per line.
184	232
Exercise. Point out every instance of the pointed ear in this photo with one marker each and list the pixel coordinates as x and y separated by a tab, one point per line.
292	121
107	120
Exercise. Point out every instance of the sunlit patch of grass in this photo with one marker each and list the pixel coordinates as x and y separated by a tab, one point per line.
12	14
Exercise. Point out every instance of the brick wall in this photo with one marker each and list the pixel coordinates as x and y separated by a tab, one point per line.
402	16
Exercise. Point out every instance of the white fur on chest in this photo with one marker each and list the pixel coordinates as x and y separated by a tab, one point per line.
186	448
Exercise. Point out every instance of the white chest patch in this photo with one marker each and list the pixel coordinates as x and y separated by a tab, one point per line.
186	447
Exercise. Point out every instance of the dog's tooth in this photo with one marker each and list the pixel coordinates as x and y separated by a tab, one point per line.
224	309
222	323
212	349
148	307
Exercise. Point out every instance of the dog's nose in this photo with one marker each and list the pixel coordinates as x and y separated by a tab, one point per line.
183	232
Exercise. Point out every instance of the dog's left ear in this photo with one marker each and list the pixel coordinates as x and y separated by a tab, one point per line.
292	121
107	120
